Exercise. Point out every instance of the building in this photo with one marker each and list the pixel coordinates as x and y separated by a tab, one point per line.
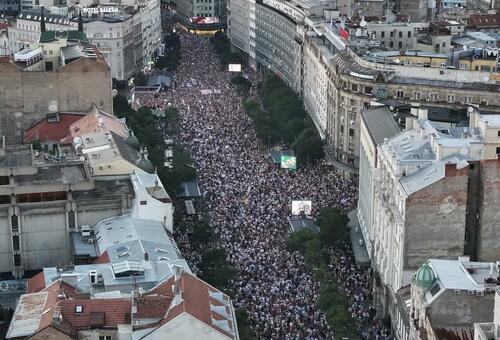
490	330
182	307
339	74
199	15
62	72
45	195
415	10
448	297
377	125
127	36
394	36
428	196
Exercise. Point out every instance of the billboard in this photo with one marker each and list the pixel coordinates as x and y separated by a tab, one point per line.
288	162
299	207
204	20
234	67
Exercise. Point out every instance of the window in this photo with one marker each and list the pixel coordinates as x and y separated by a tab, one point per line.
71	219
463	66
391	44
78	309
351	132
468	100
498	133
416	95
443	44
498	151
15	223
104	337
451	98
443	65
400	45
434	97
15	242
419	63
400	94
17	260
400	34
354	87
409	34
382	34
435	289
392	34
368	89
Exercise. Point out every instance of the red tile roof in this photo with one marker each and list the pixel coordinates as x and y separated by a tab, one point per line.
152	307
196	300
484	20
97	312
91	122
51	132
36	283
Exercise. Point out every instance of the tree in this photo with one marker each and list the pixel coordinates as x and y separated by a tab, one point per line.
333	226
202	234
244	330
215	269
308	146
297	240
242	85
314	255
121	106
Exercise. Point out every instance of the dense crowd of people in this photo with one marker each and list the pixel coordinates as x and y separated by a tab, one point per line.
249	200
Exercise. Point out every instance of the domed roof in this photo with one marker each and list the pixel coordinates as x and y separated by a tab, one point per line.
425	276
146	165
133	141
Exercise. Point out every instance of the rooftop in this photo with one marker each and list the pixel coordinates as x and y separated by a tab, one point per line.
461	275
49	36
51	129
380	123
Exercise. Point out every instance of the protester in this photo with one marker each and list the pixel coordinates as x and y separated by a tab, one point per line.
249	199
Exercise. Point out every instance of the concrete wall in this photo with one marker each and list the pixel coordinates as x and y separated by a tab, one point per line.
435	220
26	97
489	215
451	309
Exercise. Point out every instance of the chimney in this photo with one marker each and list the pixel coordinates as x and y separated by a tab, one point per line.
56	315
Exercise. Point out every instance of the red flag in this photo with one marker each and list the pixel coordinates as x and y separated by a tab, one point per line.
343	33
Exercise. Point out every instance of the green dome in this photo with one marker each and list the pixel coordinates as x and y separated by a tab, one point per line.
133	141
146	165
425	277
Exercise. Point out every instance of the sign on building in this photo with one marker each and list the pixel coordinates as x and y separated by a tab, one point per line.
288	162
301	207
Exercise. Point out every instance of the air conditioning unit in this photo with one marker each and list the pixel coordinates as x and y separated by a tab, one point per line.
471	292
479	293
456	292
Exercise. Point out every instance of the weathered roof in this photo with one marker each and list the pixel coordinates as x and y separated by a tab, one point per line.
48	130
380	123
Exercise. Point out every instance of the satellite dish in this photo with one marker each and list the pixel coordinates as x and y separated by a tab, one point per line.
391	108
397	61
100	120
77	140
114	92
82	158
470	109
363	22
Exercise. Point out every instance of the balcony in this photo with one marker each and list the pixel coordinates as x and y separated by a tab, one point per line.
484	331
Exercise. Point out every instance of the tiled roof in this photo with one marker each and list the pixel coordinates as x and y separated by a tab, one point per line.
45	131
152	307
484	20
36	283
91	122
202	301
96	312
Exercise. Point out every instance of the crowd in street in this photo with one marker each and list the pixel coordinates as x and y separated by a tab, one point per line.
249	201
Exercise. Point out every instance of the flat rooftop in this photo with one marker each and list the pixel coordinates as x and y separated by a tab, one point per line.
55	174
16	156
